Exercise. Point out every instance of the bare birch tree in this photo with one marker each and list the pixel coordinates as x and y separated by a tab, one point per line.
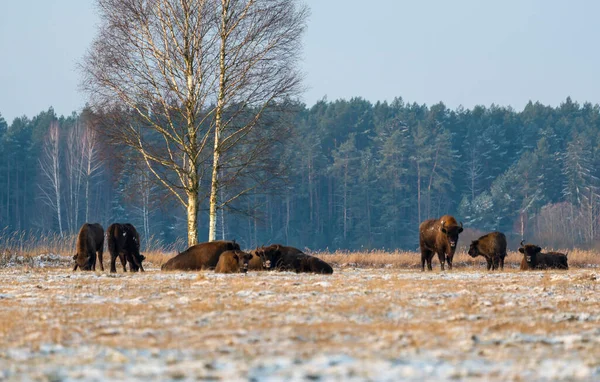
91	162
50	166
73	175
154	58
259	45
145	190
179	67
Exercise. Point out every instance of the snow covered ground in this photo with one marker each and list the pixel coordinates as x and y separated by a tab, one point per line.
358	324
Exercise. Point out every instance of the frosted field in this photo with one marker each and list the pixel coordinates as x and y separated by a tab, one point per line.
358	324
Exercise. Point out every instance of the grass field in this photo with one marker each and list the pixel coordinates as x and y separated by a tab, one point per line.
375	318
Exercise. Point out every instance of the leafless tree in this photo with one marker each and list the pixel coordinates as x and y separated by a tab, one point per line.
73	175
197	75
473	170
50	167
258	47
145	191
92	163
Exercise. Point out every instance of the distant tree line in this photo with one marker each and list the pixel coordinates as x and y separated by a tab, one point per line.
347	174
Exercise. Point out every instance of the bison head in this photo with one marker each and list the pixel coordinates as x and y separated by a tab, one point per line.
84	261
474	248
530	252
243	258
452	233
133	266
270	256
260	252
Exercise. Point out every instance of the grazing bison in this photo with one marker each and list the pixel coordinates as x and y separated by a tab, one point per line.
200	256
284	258
89	242
438	236
233	262
533	258
491	246
124	243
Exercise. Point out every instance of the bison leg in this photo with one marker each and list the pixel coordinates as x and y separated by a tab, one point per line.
493	263
123	261
489	263
100	259
442	257
496	262
113	265
449	261
502	263
75	267
113	257
426	255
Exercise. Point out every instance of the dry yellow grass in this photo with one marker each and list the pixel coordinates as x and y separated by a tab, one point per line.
412	260
20	244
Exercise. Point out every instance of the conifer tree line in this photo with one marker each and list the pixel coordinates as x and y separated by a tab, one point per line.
344	174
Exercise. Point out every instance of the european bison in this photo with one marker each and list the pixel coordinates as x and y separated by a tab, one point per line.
257	263
233	262
491	246
124	242
89	242
533	258
200	256
284	258
438	236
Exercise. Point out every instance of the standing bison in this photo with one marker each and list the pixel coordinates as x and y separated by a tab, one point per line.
200	256
491	246
90	241
533	258
124	243
438	236
284	258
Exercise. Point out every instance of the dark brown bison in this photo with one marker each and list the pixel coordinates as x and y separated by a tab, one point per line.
89	242
533	258
233	262
200	256
491	246
124	242
284	258
438	236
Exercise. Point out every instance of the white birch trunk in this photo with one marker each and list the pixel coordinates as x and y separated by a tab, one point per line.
214	184
51	170
192	218
222	211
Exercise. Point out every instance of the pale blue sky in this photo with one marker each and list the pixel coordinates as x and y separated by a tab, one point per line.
460	52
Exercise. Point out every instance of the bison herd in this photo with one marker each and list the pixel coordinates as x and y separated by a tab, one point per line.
441	236
123	242
223	256
436	236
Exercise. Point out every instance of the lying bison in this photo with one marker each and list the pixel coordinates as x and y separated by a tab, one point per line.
491	246
257	262
90	241
438	236
124	242
233	262
284	258
533	258
200	256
